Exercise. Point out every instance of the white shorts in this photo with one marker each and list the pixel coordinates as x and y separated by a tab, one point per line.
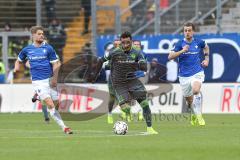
43	89
187	82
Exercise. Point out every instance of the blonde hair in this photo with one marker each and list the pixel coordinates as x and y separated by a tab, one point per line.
34	29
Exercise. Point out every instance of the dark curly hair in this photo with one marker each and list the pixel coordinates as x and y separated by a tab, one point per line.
126	34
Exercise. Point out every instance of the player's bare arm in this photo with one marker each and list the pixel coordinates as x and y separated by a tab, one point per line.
205	62
56	65
27	64
173	55
17	65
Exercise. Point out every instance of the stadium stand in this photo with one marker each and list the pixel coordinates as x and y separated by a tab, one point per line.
230	20
75	41
20	14
169	21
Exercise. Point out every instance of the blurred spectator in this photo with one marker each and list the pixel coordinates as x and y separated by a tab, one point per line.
57	36
102	77
14	43
138	17
139	9
7	27
157	72
87	48
86	8
50	9
86	68
164	4
107	48
14	46
172	71
10	76
138	44
2	73
152	7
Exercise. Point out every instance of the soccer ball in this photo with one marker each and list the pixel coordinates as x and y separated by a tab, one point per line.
120	128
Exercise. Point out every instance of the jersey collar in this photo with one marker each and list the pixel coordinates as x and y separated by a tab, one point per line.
43	43
187	41
127	51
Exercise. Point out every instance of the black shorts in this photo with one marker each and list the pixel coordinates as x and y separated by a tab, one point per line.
110	87
126	92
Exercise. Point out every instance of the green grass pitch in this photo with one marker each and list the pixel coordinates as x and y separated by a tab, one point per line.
27	137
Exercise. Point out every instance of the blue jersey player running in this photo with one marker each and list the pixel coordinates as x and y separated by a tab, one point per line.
191	74
44	66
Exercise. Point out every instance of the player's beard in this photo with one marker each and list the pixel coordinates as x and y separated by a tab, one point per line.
189	37
127	49
39	41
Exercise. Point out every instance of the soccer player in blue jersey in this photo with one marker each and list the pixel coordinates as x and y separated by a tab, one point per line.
35	98
44	69
191	74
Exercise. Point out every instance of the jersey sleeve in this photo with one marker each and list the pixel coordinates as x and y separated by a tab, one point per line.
108	55
202	44
22	55
141	57
177	47
142	62
52	55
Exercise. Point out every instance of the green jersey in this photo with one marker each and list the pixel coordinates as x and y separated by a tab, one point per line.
123	63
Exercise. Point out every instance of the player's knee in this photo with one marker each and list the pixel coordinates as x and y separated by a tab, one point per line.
196	86
49	102
196	91
189	100
56	104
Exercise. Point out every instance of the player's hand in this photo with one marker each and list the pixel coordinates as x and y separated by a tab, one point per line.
136	74
53	82
185	48
205	63
16	68
139	74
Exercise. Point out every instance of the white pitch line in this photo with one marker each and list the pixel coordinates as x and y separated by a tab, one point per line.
77	134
